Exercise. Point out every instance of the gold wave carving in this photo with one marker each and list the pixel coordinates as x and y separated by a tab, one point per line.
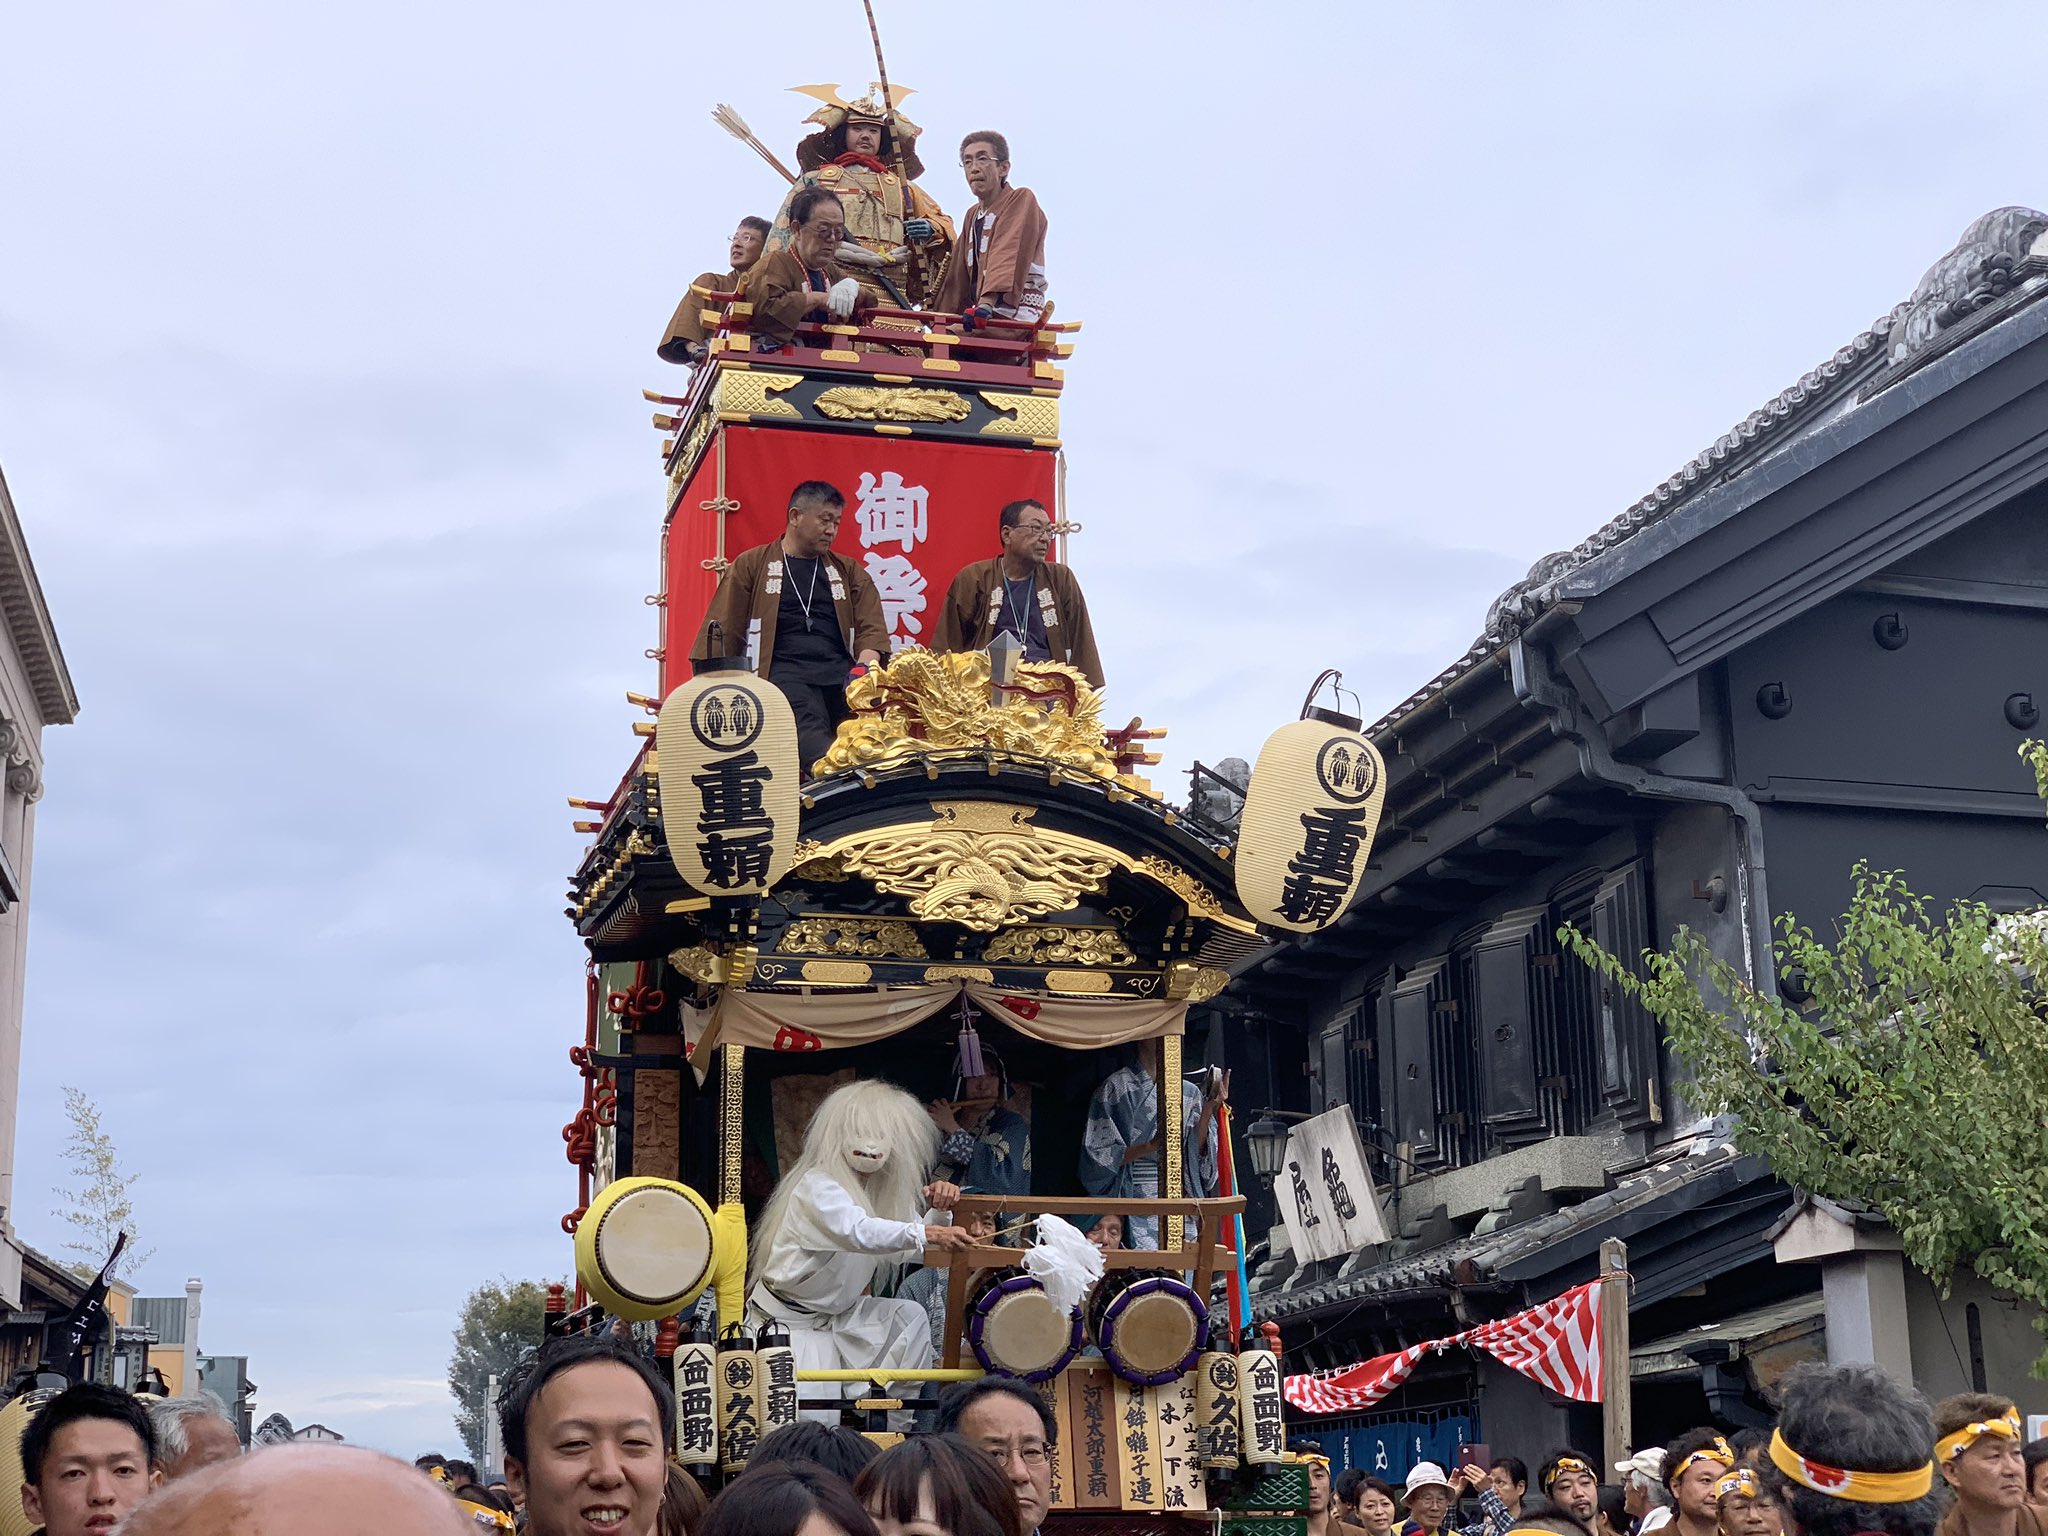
1202	902
1033	416
979	865
864	402
926	702
1060	946
877	938
746	392
812	863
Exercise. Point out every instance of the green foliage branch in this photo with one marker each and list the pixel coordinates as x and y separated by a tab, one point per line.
1912	1079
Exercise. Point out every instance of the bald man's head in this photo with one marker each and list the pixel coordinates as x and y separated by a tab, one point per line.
301	1490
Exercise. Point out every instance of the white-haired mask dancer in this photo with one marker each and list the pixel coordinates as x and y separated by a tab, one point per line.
855	1198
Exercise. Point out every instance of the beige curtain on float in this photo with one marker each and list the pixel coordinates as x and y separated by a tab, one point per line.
800	1022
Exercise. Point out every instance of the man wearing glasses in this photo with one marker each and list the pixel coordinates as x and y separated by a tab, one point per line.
1021	593
1011	1422
998	267
684	340
804	281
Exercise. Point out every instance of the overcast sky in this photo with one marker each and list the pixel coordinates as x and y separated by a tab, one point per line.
322	331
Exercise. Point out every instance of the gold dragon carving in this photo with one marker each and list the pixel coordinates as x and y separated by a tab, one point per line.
861	402
926	702
980	865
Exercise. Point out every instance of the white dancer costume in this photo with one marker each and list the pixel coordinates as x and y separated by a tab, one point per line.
851	1201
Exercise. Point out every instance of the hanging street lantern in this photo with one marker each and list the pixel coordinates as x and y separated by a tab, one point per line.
1309	817
1267	1137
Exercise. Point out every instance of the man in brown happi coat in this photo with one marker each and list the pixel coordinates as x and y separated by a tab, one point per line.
1021	593
801	615
998	264
684	340
806	281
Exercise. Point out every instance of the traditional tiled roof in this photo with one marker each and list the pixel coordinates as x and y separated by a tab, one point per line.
1503	1255
1995	262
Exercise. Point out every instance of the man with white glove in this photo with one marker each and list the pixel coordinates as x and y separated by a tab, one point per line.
806	281
842	297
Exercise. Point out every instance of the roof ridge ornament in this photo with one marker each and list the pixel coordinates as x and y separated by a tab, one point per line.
2006	249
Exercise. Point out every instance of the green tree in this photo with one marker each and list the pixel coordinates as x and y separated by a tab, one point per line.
1911	1080
500	1326
96	1206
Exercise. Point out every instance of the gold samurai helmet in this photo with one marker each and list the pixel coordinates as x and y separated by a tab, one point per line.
822	147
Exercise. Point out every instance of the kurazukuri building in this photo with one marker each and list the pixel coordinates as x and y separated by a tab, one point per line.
1821	640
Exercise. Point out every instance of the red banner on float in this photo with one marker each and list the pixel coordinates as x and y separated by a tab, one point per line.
916	512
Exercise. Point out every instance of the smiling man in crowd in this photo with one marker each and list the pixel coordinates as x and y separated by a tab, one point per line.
587	1431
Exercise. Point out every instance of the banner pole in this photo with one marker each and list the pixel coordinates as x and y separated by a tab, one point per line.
1615	1405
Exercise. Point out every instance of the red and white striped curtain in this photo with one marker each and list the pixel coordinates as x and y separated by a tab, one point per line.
1557	1343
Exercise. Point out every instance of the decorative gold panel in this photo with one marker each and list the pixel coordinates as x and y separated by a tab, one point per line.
1054	945
839	973
1031	415
977	864
1084	983
861	402
746	394
926	702
980	973
879	938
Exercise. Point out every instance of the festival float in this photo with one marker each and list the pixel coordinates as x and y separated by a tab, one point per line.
974	895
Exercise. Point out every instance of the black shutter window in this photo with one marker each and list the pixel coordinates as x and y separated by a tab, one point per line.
1628	1036
1505	1026
1413	1069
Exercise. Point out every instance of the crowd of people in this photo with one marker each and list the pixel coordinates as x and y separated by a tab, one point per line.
587	1430
1854	1453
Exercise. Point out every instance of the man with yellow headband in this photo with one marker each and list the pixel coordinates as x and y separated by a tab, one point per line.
1853	1451
1693	1464
1569	1481
1320	1521
1977	1448
1747	1507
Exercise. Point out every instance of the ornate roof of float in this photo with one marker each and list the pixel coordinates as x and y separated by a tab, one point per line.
1999	266
948	837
